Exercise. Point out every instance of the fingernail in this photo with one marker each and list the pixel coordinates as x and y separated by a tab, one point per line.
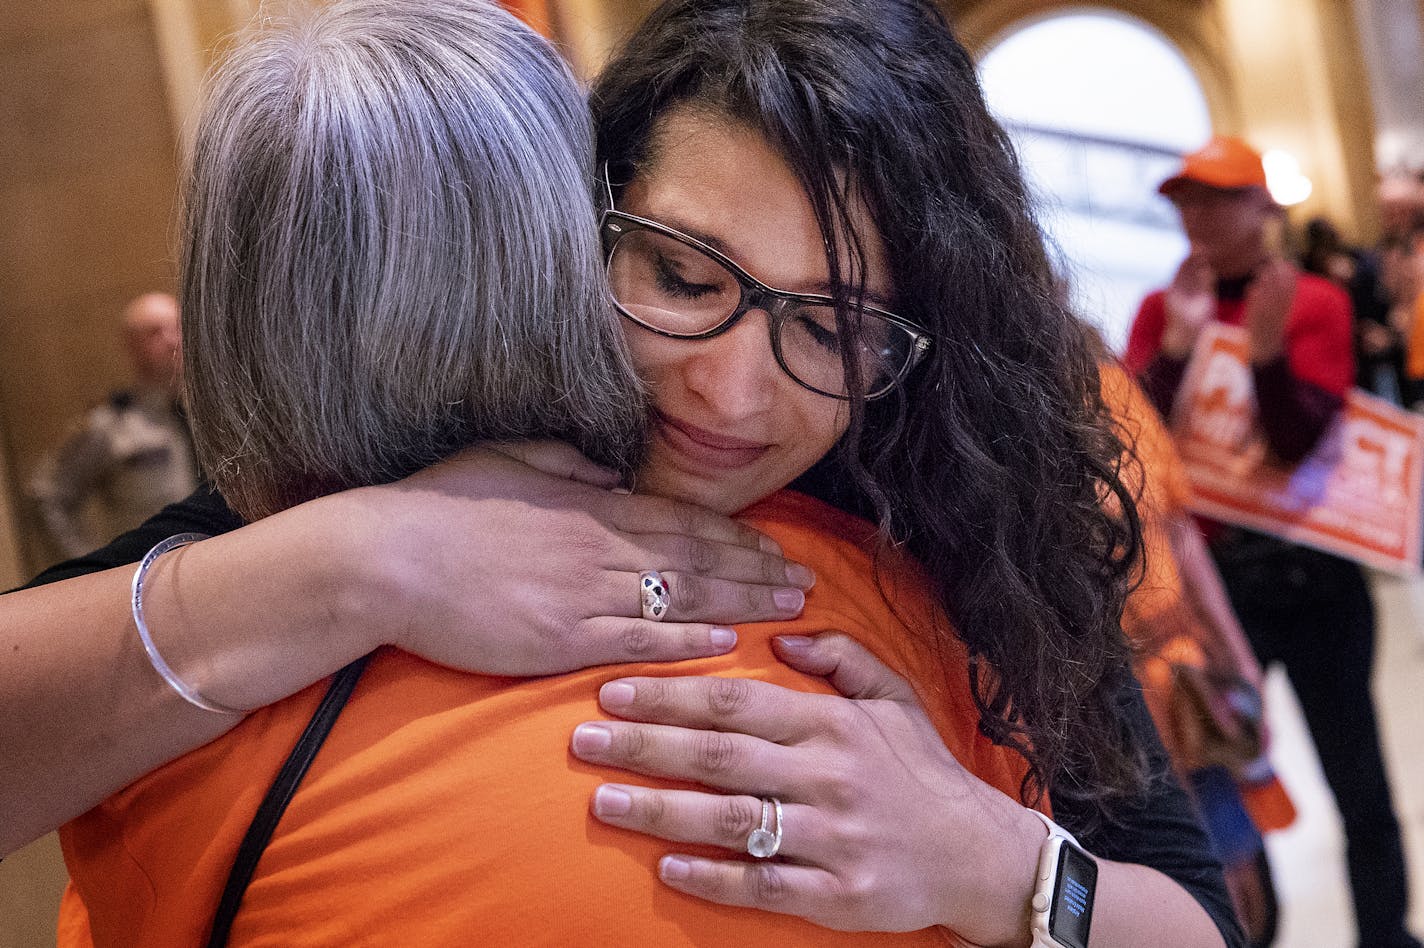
789	600
610	801
674	869
796	643
592	739
722	638
616	694
620	490
768	545
799	575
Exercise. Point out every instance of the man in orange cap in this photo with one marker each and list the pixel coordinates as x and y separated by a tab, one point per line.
1310	611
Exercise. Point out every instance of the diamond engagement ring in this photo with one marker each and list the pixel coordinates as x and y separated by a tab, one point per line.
764	841
656	596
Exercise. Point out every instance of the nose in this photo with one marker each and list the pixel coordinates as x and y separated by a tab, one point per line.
736	374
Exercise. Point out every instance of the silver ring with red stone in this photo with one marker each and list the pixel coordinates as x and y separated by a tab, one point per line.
657	597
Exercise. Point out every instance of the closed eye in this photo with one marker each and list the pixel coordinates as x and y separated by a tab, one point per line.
672	283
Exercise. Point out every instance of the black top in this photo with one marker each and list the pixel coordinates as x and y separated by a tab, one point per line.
1160	831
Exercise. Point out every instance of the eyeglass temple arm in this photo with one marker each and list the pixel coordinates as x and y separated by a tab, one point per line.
607	183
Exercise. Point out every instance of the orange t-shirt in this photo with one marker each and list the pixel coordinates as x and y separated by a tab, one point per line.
446	808
1156	610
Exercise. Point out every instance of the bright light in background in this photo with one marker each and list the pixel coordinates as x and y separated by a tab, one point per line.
1283	178
1097	73
1119	102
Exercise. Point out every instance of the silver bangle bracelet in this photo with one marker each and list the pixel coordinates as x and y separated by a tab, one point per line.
159	665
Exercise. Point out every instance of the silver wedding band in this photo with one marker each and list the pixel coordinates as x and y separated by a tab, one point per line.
765	841
656	596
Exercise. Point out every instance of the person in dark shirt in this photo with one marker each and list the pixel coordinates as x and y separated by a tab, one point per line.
1307	610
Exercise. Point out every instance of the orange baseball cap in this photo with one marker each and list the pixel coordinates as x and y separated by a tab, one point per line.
1224	162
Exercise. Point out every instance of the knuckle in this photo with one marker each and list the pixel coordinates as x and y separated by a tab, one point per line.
773	570
736	817
728	696
714	752
842	722
701	556
686	518
757	600
654	810
636	639
632	744
748	537
768	884
651	696
690	594
839	786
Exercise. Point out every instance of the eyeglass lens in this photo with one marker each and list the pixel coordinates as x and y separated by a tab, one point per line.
674	287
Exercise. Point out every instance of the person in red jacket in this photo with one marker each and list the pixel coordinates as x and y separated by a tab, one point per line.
1307	610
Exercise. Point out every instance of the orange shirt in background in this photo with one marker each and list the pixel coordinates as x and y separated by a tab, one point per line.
446	808
1157	618
1156	611
1414	347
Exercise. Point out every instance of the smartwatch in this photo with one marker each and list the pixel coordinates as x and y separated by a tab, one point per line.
1064	888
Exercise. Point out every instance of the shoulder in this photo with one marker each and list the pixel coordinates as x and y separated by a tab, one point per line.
1151	312
1319	294
1153	302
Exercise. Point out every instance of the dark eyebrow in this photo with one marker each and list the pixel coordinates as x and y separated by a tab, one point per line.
711	240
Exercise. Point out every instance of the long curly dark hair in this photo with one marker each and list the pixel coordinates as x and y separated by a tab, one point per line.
996	463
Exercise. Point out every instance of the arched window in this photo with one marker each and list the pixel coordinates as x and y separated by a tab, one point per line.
1101	107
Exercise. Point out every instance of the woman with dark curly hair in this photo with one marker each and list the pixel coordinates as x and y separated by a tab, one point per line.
823	250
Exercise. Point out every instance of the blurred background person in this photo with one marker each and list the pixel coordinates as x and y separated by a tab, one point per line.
1401	266
129	457
1310	611
1201	680
1379	344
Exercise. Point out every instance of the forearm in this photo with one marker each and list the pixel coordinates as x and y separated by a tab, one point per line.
1205	592
246	618
1140	906
1294	414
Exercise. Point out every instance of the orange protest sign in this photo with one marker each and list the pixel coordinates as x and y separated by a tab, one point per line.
1357	494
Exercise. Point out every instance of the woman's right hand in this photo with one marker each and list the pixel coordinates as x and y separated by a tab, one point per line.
525	560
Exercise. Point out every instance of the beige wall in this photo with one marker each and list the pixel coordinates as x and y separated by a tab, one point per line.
11	572
87	173
1301	84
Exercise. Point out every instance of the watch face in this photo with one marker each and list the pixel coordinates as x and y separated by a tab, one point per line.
1072	913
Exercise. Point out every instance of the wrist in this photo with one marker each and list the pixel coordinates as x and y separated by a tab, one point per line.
1002	912
359	576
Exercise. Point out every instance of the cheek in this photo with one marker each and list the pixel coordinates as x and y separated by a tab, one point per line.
653	356
822	421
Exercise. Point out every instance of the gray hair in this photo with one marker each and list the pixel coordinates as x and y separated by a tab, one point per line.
390	252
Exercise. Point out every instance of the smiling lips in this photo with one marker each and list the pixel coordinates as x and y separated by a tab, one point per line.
706	448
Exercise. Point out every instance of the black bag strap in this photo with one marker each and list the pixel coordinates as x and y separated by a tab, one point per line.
284	787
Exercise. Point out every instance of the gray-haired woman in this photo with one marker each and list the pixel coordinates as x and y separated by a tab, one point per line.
454	300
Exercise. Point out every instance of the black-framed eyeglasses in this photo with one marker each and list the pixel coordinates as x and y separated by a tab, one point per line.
677	286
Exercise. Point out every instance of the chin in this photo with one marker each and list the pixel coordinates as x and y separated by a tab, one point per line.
718	497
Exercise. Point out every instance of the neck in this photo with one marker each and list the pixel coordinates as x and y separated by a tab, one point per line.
1239	262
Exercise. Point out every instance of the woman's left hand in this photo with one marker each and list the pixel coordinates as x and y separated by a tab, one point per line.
884	830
